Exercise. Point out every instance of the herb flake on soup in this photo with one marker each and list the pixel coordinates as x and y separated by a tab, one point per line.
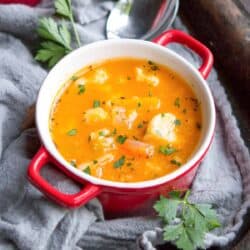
126	120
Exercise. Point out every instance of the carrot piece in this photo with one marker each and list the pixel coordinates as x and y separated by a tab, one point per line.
138	148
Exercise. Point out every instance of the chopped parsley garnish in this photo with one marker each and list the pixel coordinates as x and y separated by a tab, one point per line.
177	122
185	224
175	162
72	132
167	150
177	102
87	170
114	131
81	89
96	103
95	161
101	133
139	104
153	66
128	78
121	139
73	163
140	125
73	78
56	38
120	162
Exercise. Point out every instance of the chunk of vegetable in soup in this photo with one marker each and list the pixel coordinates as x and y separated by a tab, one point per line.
126	120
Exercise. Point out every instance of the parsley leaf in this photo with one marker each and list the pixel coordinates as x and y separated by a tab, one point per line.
63	7
172	232
120	162
206	210
74	78
56	38
114	131
121	139
73	163
56	43
177	122
167	208
50	52
153	66
72	132
185	223
175	162
96	103
48	29
81	89
167	150
87	170
140	125
102	133
177	102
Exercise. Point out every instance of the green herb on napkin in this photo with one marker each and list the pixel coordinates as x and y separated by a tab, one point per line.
185	223
56	38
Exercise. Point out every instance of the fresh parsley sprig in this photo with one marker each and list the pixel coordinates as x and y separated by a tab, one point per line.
56	38
64	8
56	41
185	223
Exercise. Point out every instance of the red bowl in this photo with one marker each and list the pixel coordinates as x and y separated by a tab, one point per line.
120	198
27	2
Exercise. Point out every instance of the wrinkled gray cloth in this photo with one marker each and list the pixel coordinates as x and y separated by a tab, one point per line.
28	220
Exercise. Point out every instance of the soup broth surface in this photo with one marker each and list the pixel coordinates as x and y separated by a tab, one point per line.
126	120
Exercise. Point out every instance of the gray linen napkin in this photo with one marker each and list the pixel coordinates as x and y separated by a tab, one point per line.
28	220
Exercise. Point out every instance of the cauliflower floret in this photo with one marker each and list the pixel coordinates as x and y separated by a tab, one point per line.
101	76
162	127
95	115
98	163
150	79
101	140
121	116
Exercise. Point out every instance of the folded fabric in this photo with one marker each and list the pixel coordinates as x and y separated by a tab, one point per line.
28	220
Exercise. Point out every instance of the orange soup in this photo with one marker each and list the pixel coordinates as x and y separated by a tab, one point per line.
126	120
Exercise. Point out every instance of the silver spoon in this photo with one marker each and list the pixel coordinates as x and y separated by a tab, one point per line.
143	19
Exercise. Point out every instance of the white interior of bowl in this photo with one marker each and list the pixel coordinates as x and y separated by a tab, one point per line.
108	49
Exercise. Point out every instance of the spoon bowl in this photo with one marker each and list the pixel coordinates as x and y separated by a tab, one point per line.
141	19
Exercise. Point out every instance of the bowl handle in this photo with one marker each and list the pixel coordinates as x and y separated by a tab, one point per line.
41	158
185	39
